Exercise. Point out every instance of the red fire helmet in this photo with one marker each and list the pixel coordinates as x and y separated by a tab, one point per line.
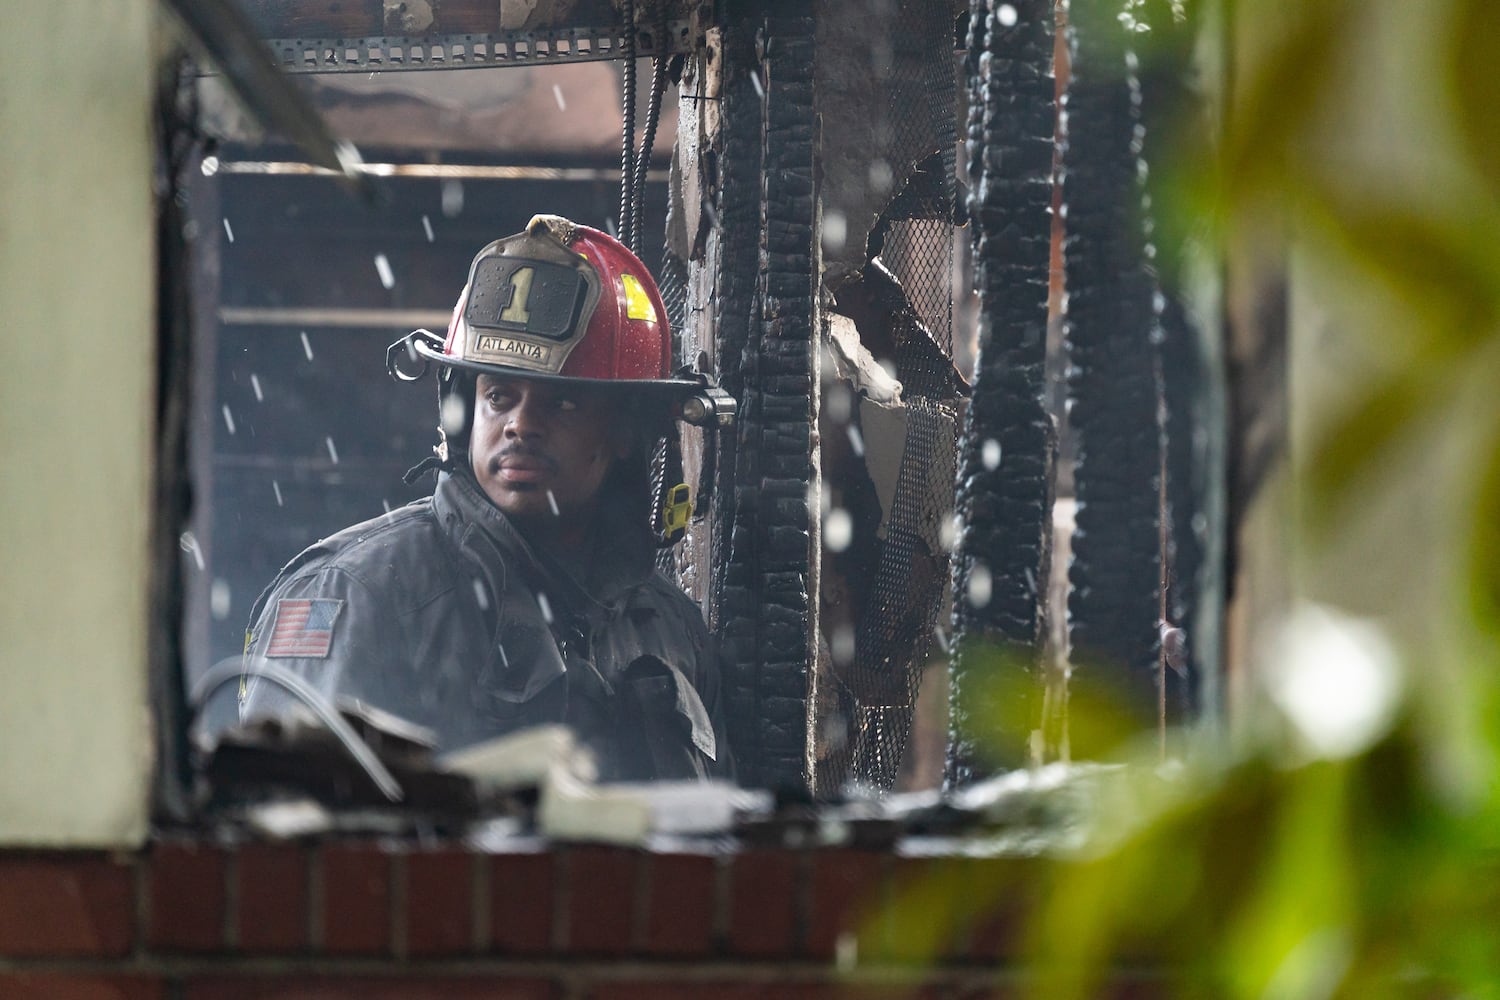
562	302
565	303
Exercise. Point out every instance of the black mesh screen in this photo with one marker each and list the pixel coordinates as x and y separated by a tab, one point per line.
910	280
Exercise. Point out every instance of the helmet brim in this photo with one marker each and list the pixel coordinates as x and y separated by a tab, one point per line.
665	391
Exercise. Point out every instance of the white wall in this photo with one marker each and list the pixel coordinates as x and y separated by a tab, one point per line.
77	273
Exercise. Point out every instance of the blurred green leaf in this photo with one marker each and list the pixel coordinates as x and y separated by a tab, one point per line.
1359	439
949	901
1000	697
1447	276
1475	83
1103	717
1484	544
1281	93
1276	949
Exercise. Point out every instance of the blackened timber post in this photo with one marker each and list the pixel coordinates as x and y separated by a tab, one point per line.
767	277
1173	119
1113	338
1005	473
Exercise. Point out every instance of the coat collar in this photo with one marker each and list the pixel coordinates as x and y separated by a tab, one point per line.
621	561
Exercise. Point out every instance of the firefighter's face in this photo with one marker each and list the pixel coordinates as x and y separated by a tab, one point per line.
541	451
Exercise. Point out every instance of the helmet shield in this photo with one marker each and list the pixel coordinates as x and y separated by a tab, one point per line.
567	303
528	305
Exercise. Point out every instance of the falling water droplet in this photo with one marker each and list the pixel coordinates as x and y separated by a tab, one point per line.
981	585
948	532
545	605
383	268
276	488
846	951
708	210
609	226
838	530
306	345
260	397
989	454
481	595
842	645
209	166
228	418
552	502
856	441
1006	15
838	401
333	453
504	660
835	231
451	415
557	94
218	599
427	228
453	198
760	89
189	544
228	231
942	638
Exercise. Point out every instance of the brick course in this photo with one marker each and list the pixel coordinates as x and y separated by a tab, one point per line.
271	914
372	920
187	897
62	905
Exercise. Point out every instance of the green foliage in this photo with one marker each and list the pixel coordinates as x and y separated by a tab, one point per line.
1366	133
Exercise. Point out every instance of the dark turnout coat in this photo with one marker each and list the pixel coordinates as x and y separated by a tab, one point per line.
442	614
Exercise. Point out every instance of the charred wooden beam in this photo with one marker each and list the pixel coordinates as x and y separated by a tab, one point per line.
1171	112
1113	337
767	281
416	18
1005	474
333	36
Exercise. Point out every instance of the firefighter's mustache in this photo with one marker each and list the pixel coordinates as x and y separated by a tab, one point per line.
521	451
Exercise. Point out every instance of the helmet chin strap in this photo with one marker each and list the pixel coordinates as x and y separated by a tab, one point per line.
672	504
451	452
432	463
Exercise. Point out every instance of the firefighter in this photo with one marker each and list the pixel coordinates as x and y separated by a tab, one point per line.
524	590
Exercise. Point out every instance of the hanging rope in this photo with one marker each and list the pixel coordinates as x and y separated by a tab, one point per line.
627	143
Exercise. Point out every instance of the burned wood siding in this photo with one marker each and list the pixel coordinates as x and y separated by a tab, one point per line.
766	208
1113	339
1005	476
1172	117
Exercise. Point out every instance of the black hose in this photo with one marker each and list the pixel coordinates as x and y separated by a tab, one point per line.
627	116
653	117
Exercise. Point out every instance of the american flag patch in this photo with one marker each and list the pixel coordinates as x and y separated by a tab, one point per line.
303	627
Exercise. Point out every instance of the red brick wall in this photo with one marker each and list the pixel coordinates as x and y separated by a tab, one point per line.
374	921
